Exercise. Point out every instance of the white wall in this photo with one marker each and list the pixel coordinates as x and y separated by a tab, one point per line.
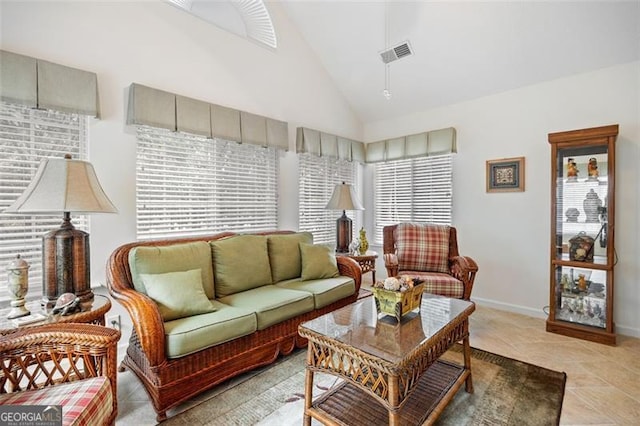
508	233
156	44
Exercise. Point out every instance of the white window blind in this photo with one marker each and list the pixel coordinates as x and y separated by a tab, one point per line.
417	190
191	185
26	136
318	177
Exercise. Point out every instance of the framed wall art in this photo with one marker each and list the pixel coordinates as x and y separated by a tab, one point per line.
505	175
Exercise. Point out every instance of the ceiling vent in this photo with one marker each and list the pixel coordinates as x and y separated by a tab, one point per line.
396	52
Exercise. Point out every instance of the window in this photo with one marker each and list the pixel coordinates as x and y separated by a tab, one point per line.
26	136
191	185
417	189
318	177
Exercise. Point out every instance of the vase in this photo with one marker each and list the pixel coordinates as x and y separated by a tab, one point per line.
591	205
364	244
18	285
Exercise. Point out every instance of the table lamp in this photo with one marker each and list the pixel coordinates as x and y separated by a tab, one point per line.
343	198
64	186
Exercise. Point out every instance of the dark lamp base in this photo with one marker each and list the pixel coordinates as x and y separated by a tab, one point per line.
343	233
66	269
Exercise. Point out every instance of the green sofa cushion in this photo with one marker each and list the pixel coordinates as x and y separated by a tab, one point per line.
178	294
191	334
240	263
284	254
172	258
318	261
272	304
325	291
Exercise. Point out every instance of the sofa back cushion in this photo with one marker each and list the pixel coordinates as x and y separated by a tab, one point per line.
422	247
318	262
284	254
172	258
240	263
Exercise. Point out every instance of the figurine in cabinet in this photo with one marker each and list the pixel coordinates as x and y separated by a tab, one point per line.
572	170
592	168
572	214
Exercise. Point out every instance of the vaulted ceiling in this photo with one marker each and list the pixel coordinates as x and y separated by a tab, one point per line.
462	50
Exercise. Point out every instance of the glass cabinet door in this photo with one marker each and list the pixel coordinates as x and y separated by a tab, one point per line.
582	296
581	204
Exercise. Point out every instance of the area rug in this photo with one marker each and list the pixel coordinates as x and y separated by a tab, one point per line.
506	392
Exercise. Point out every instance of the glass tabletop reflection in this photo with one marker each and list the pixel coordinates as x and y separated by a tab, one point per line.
360	326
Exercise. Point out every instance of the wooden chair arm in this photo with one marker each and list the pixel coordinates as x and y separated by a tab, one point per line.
391	263
464	268
350	268
59	353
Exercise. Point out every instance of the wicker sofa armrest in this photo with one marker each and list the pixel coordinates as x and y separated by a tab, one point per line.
464	268
350	268
78	351
145	316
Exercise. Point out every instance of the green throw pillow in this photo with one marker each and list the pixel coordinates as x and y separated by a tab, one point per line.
178	294
318	261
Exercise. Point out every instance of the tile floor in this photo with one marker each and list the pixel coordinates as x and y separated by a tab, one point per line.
603	385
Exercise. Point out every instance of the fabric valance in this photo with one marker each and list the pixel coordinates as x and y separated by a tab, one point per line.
41	84
324	144
157	108
435	142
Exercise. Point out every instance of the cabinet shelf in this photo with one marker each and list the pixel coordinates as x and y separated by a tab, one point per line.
582	224
600	265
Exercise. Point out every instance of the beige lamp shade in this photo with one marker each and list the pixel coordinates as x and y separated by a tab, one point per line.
344	198
63	185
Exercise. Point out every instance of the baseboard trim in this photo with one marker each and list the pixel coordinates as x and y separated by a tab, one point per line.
509	307
539	313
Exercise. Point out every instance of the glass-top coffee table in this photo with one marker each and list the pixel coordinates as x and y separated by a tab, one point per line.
391	372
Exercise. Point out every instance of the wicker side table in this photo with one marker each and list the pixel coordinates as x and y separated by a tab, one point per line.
94	314
366	261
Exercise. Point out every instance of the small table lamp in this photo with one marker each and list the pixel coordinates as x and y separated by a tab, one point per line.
64	186
343	198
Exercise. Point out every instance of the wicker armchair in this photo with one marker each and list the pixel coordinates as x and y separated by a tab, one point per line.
62	364
429	252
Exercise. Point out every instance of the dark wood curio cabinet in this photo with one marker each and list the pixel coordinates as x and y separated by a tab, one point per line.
582	233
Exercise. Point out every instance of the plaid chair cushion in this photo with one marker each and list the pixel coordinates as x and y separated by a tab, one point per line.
84	402
422	247
439	283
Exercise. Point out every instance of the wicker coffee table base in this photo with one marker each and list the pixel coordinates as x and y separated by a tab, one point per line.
348	404
413	391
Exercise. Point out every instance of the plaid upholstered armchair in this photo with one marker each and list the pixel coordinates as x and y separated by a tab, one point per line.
68	365
429	252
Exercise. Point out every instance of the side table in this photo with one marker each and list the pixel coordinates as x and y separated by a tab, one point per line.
366	261
94	314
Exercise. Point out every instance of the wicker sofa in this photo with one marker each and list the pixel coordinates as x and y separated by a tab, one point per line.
257	289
